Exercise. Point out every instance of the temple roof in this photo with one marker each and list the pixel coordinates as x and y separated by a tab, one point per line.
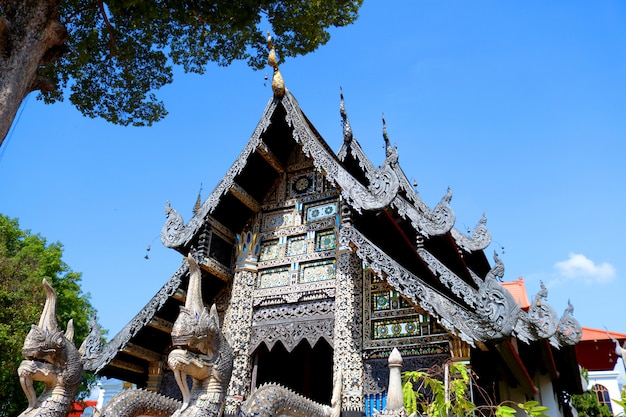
596	350
518	291
415	248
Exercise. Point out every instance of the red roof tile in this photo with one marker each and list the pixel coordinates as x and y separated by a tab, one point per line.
518	291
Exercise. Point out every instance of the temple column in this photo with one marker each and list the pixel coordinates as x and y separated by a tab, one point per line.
238	321
348	333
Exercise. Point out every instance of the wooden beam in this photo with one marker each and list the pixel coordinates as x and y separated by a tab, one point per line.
215	268
228	234
160	324
270	158
180	295
142	353
127	366
243	196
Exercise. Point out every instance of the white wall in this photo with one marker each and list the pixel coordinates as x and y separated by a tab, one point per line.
611	380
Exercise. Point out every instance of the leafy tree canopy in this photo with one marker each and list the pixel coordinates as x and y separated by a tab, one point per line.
113	55
25	260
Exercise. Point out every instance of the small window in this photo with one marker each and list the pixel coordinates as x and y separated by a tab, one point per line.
602	393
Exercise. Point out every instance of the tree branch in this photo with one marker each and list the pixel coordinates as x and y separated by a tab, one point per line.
109	27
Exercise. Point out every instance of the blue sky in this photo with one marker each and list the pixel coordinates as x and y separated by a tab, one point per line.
519	107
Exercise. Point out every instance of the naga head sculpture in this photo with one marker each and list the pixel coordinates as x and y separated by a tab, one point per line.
196	337
50	357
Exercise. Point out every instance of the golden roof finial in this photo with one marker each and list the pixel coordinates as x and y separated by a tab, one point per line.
278	84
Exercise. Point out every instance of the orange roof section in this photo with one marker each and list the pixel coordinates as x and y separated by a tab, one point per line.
518	291
597	334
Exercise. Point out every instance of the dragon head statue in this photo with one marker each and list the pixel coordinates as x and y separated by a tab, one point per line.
200	349
50	357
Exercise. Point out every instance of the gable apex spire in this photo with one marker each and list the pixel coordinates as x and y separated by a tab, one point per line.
278	84
347	129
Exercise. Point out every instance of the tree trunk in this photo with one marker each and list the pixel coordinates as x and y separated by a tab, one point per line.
30	31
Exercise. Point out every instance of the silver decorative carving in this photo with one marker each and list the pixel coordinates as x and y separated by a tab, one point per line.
496	303
457	319
480	239
238	320
383	183
543	317
294	293
348	338
293	323
426	221
92	345
569	330
458	287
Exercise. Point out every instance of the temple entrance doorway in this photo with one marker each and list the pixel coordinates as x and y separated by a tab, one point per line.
306	370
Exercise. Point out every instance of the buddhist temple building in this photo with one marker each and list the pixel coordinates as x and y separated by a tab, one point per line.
320	262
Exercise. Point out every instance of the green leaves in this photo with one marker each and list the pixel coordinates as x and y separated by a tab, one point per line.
532	408
120	52
448	395
25	259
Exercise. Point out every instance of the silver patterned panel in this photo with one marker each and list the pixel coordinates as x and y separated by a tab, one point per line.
457	319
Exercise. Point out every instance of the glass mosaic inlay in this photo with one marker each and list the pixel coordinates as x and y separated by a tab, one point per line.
302	184
387	300
317	271
326	240
269	250
271	278
320	212
274	221
397	328
296	245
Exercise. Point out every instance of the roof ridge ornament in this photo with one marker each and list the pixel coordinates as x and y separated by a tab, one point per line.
569	331
479	240
543	317
347	129
278	84
391	152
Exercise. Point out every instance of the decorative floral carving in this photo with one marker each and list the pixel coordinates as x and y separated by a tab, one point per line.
348	338
543	317
480	239
569	330
496	303
458	287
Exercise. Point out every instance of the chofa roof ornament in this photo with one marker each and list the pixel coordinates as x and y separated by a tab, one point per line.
278	84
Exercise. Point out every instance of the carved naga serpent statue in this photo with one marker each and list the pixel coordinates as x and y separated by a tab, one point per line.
202	352
50	357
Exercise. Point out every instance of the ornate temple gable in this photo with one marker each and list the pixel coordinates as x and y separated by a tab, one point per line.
292	324
391	320
298	239
141	320
456	318
384	183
